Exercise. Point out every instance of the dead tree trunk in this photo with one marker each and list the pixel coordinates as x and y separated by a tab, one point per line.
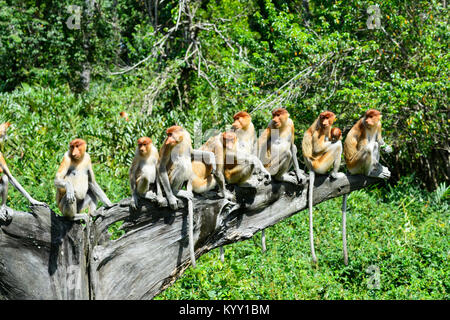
44	256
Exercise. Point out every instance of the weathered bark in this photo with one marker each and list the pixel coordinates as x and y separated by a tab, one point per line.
44	256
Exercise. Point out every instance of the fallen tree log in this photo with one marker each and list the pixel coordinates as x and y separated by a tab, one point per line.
45	256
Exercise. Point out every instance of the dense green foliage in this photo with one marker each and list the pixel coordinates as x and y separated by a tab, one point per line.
212	58
205	60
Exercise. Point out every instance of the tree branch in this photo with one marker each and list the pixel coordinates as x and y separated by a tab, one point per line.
44	256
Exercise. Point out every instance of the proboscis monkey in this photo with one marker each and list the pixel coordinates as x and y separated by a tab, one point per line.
76	187
241	168
362	146
3	128
175	170
321	153
245	132
6	177
278	152
362	155
143	178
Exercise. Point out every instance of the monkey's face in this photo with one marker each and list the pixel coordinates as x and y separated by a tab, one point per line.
241	121
144	146
173	138
229	140
77	149
326	119
372	120
124	115
279	120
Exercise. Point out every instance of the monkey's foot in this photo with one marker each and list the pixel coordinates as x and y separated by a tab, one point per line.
162	202
185	194
5	214
387	148
150	195
380	172
337	175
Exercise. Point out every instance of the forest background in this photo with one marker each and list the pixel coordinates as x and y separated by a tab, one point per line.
68	67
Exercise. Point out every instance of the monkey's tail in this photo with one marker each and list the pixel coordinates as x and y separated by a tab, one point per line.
310	205
191	232
263	240
344	228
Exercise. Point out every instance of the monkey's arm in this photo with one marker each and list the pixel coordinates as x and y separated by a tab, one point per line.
95	188
61	183
204	156
381	142
351	152
132	176
164	178
318	146
262	144
299	173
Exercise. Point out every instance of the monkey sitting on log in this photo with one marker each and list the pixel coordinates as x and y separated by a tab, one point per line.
362	155
362	147
76	188
241	158
6	177
321	152
277	150
142	174
175	170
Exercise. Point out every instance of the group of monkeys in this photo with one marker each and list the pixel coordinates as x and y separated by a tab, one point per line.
234	157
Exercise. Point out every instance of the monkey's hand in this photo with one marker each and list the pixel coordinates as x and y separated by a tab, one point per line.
185	194
301	178
173	203
70	194
134	201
